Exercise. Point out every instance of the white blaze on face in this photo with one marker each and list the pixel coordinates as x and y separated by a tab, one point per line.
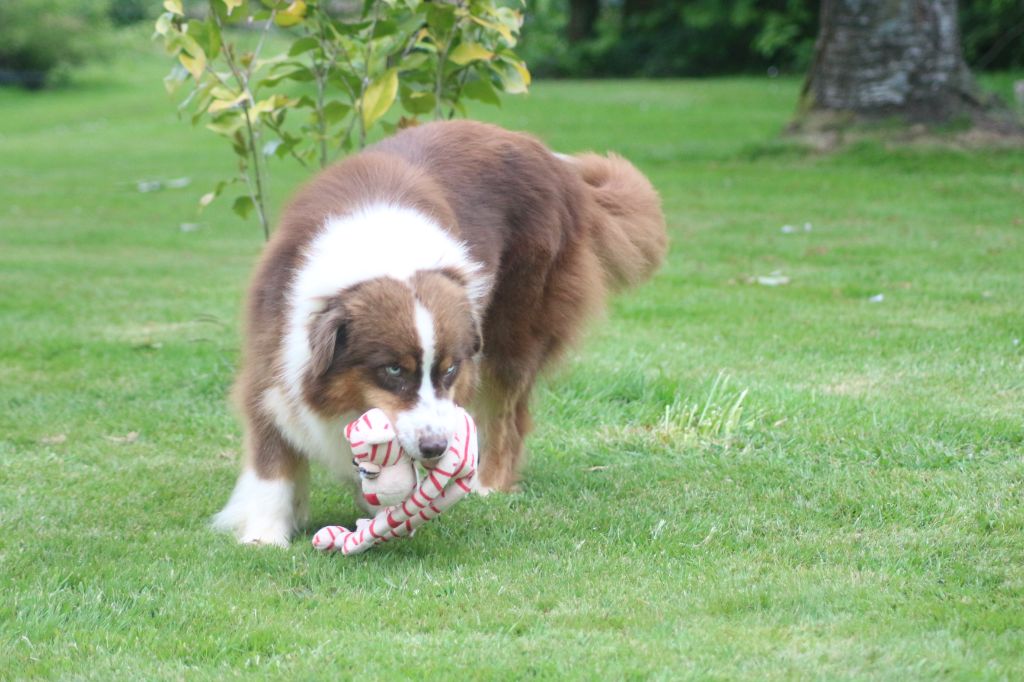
432	417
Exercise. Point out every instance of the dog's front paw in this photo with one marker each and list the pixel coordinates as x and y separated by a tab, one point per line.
256	529
484	490
259	512
278	536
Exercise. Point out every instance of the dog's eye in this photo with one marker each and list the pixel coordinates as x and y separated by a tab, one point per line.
393	377
448	375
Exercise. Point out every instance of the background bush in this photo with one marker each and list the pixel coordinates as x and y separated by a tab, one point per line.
709	37
993	33
40	38
125	12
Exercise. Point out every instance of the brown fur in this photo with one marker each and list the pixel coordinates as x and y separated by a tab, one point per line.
374	327
630	235
554	236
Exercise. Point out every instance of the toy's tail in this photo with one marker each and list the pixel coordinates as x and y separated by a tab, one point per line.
629	233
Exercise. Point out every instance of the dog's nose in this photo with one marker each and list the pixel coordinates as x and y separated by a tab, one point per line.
432	447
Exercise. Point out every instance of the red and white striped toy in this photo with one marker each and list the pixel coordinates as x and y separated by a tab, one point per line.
387	475
447	480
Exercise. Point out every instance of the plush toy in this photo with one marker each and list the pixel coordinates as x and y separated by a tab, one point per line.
386	474
390	483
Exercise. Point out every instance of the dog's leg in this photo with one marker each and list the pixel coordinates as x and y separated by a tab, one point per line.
504	421
300	494
271	497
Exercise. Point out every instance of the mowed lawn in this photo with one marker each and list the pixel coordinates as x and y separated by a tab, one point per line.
861	515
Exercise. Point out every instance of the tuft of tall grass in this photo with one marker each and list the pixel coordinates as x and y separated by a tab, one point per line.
717	418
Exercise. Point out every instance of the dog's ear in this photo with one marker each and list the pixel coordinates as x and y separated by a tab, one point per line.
476	343
328	336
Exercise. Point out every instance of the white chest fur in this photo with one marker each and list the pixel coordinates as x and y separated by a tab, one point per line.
321	440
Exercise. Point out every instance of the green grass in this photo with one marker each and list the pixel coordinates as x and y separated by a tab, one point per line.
859	512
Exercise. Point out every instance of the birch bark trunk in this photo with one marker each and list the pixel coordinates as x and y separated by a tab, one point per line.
877	59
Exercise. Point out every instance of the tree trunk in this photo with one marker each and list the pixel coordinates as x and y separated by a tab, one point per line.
883	58
582	19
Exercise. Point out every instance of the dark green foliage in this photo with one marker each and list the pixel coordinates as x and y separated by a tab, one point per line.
40	38
993	33
704	37
126	12
708	36
669	38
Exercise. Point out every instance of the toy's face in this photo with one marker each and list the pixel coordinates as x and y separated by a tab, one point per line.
387	486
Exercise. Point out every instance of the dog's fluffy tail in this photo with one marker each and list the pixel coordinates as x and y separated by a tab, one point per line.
629	231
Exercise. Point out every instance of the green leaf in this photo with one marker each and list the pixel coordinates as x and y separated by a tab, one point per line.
288	143
379	97
440	18
240	147
231	11
482	91
174	6
505	32
515	79
221	92
346	80
347	28
291	16
335	111
299	73
303	45
469	52
208	198
523	72
417	102
270	105
225	104
186	43
163	24
226	125
384	28
511	21
207	36
243	206
195	65
414	61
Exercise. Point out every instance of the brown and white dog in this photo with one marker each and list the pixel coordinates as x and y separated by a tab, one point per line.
446	265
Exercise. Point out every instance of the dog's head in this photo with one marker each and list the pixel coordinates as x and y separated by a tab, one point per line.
406	347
